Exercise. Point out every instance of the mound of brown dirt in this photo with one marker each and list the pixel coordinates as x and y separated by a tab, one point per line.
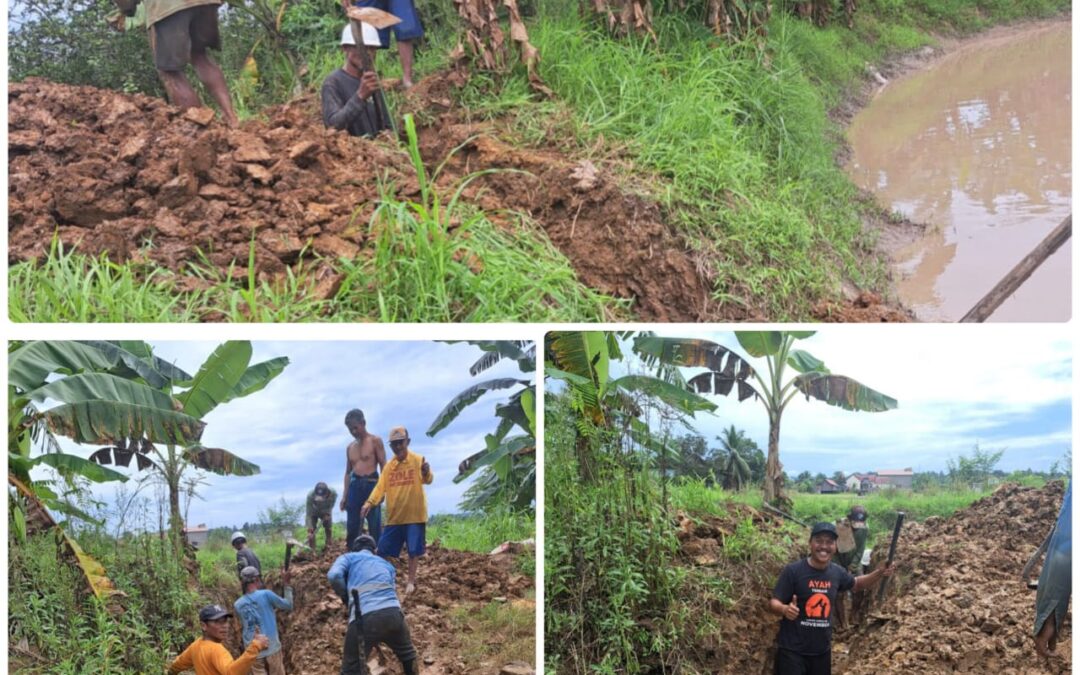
958	604
314	632
113	173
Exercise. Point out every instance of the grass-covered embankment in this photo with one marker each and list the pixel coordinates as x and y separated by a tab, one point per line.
736	140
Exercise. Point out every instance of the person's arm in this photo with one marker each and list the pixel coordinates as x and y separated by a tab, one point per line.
380	454
223	661
377	494
338	113
426	474
241	562
337	578
785	587
871	580
185	661
310	510
279	602
348	465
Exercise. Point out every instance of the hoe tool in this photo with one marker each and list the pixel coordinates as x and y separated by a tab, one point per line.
290	542
379	19
892	552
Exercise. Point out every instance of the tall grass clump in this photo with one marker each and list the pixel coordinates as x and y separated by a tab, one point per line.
481	532
441	260
615	601
57	626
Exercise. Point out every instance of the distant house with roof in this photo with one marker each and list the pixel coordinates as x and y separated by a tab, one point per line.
828	487
903	479
198	535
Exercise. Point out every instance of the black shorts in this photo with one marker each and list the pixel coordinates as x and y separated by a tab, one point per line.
790	663
190	31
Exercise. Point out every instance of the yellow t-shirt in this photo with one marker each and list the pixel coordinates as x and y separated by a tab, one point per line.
403	485
211	658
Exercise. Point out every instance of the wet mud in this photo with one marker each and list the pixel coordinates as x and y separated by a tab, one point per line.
976	145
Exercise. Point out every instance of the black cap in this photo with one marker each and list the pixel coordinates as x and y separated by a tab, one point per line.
857	513
321	488
363	541
213	613
822	528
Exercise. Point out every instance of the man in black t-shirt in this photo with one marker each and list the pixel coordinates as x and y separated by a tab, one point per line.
804	596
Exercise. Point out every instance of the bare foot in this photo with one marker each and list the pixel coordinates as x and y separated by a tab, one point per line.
410	588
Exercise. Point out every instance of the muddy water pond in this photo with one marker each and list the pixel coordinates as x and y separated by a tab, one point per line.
978	147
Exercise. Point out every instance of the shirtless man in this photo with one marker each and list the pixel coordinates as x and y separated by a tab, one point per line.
364	458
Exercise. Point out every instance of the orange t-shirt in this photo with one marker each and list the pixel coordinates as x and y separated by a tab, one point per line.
211	658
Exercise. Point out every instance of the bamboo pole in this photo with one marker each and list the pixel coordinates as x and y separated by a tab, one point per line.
1019	274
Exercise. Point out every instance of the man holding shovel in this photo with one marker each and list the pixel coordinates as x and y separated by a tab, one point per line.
804	597
319	508
365	582
351	99
256	610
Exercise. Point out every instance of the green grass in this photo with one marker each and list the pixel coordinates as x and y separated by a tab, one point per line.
512	624
693	497
481	533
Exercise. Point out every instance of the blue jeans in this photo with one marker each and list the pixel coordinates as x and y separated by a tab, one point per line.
360	488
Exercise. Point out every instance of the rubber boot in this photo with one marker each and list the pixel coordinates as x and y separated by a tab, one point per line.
409	667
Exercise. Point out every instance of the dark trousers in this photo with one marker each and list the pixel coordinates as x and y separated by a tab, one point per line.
791	663
386	626
360	488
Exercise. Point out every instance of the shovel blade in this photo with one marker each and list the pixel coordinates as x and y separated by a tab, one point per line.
373	16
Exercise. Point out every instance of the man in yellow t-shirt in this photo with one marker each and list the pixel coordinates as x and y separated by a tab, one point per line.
402	483
207	656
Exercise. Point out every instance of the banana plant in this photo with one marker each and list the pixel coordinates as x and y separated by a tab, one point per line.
508	460
728	371
227	374
583	360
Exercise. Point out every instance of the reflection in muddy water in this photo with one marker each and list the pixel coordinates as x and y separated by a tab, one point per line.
978	146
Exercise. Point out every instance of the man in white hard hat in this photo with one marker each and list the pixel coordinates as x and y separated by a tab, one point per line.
245	557
347	101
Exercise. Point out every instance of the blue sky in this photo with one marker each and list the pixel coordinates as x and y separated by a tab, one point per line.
1005	387
294	428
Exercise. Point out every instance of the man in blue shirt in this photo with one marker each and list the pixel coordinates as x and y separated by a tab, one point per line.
256	612
366	583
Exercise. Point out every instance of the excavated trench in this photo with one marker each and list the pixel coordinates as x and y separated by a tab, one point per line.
313	634
956	605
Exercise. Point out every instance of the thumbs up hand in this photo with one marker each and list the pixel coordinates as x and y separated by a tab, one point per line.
791	610
260	640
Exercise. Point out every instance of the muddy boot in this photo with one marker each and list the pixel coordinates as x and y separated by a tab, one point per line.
409	667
